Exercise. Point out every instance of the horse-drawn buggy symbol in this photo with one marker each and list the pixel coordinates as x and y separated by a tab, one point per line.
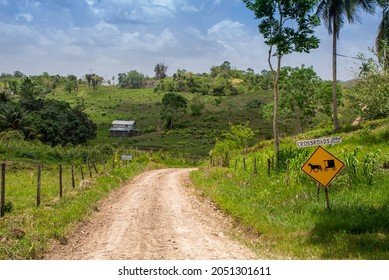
328	164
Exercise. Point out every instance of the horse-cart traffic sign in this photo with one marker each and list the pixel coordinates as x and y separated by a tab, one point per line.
322	166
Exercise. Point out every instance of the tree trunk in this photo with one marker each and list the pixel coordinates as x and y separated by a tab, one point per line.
334	79
275	116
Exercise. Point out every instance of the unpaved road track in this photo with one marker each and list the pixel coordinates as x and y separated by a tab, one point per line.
156	216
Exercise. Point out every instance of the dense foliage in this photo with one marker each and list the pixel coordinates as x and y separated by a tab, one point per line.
173	107
132	79
51	121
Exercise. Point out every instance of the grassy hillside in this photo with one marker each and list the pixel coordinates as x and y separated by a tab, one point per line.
194	135
284	216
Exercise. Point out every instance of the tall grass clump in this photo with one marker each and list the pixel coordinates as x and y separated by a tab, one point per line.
351	162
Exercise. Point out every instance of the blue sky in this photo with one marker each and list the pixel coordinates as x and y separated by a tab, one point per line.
108	37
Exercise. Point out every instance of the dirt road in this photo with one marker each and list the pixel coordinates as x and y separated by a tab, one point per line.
156	216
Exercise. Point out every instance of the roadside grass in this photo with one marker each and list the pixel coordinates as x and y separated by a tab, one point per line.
26	231
290	220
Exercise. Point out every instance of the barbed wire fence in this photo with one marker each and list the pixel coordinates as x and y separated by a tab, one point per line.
68	175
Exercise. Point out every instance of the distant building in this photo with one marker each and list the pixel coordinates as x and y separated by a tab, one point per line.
122	128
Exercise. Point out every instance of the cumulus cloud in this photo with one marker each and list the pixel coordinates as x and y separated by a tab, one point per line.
137	41
226	29
26	16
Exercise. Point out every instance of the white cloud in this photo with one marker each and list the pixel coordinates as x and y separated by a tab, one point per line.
26	16
106	27
148	42
190	8
226	29
170	4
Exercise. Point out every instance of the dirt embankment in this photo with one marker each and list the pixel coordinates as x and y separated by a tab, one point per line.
154	217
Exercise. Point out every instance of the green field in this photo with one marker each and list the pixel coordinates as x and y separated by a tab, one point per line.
194	135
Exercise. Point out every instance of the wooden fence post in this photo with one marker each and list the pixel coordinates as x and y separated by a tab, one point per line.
287	172
2	200
318	190
39	185
327	198
268	166
82	172
73	181
60	181
90	170
94	167
255	166
244	164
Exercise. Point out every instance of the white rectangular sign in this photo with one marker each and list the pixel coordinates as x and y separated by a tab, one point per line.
319	141
126	157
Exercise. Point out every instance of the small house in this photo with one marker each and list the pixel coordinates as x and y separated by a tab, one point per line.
122	128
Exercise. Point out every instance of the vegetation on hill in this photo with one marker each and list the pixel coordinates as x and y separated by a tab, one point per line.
283	214
226	114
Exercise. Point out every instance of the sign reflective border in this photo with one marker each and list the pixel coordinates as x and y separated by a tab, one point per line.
319	141
322	166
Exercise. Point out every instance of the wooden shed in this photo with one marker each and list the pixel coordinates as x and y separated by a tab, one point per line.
121	128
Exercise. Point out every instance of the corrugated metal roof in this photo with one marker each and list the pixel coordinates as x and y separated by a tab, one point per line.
118	122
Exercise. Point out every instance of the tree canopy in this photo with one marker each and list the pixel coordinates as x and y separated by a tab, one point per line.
173	106
287	26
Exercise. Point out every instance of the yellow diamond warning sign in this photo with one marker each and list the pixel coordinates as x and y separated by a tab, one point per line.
322	166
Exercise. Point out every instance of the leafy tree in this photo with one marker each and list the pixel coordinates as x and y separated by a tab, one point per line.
27	89
236	138
28	96
304	96
173	107
59	124
13	117
370	96
18	74
333	13
160	71
241	134
196	106
370	93
222	71
71	83
93	80
165	85
287	27
266	80
14	86
132	79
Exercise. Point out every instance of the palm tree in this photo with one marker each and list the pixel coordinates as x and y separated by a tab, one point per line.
334	13
382	39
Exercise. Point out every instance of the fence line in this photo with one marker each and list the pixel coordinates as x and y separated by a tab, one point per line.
39	166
